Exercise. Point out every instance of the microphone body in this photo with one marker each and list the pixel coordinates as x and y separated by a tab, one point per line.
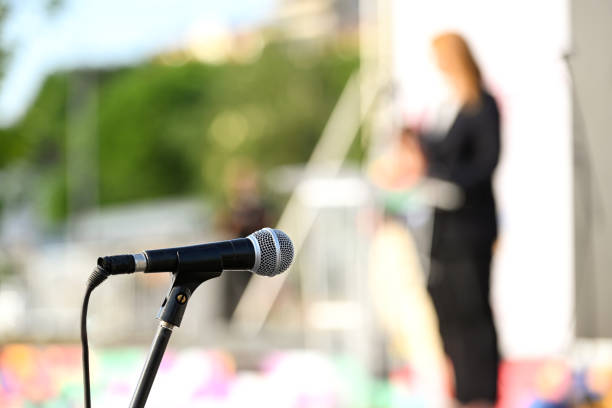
265	252
235	254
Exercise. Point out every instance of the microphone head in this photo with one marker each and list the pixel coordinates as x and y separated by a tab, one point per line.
273	251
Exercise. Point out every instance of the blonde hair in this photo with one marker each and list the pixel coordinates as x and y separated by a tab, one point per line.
456	60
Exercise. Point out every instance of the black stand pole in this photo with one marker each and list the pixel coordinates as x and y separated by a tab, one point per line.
170	315
152	365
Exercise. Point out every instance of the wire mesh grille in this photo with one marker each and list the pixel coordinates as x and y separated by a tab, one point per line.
286	248
265	240
268	261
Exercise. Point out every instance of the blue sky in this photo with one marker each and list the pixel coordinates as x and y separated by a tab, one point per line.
102	33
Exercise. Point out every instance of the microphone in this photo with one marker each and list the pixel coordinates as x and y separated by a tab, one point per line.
266	252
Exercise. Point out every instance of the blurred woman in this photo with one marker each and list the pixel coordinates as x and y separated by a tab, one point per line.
462	147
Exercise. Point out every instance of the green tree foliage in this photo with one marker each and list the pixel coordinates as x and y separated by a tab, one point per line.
170	130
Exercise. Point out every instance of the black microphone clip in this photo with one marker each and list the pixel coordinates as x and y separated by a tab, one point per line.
185	280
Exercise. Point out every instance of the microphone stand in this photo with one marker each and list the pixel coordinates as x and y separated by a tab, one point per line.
152	365
184	283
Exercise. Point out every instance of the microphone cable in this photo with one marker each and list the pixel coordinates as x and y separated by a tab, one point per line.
98	276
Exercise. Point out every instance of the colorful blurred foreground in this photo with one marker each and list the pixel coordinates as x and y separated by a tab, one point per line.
50	376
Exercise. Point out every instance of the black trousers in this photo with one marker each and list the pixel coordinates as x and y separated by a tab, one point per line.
459	289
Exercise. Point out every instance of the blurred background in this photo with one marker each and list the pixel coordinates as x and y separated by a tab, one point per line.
132	125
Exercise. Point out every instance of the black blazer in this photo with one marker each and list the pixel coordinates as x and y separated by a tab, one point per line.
466	156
